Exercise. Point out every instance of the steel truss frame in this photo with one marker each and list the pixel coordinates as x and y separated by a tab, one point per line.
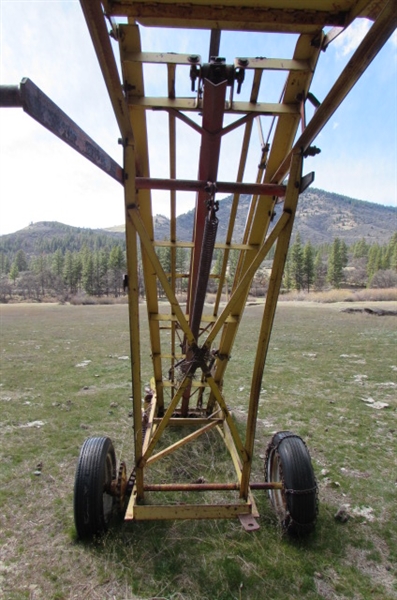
200	342
201	366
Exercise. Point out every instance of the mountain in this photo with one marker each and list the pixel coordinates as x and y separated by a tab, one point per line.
49	236
321	217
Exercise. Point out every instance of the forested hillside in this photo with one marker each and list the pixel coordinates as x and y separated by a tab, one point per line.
337	242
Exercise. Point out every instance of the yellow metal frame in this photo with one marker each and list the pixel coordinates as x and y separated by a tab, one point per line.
284	157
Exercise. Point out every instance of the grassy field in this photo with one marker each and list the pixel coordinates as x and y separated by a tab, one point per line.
65	375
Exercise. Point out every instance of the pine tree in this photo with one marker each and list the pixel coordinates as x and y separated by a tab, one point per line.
335	264
88	275
14	272
116	268
40	268
21	261
308	265
344	254
287	273
297	263
360	249
58	263
319	271
72	271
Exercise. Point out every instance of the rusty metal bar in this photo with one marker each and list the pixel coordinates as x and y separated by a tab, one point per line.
224	187
208	487
43	110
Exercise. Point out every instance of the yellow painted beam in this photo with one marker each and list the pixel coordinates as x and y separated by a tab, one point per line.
155	512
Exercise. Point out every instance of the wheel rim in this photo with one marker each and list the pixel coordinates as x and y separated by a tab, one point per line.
277	496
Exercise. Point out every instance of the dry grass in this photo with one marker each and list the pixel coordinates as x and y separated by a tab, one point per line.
342	295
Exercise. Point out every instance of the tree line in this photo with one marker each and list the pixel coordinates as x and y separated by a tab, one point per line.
334	265
63	274
99	271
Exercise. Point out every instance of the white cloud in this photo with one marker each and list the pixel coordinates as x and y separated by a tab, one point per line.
348	41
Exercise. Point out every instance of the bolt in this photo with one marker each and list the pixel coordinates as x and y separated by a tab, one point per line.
194	58
243	62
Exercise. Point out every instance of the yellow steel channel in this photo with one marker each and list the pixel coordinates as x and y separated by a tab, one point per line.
133	76
133	308
291	201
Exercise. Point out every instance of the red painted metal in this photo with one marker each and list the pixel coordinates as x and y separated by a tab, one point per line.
213	110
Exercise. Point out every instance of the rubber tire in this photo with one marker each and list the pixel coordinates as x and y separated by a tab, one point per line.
288	460
96	469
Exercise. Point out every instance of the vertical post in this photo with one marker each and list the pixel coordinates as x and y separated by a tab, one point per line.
291	200
133	309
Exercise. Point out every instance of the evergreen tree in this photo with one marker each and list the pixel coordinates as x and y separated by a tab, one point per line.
335	264
319	271
88	275
374	260
393	259
287	273
4	263
217	268
116	269
344	254
40	269
21	261
72	271
297	263
232	264
360	249
58	263
308	265
14	272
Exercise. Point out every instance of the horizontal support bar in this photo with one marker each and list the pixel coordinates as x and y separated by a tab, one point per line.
188	421
223	187
165	58
272	64
204	318
272	109
226	16
154	512
175	384
218	245
207	487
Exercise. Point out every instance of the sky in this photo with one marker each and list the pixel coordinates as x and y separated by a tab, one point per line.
42	179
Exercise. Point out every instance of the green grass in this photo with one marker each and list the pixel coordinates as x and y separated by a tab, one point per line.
321	364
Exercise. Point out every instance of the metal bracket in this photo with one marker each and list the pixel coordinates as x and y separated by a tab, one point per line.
249	522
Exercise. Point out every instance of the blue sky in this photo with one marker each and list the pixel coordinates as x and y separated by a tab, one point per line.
43	179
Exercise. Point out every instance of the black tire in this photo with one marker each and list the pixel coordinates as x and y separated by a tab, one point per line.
288	461
93	503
